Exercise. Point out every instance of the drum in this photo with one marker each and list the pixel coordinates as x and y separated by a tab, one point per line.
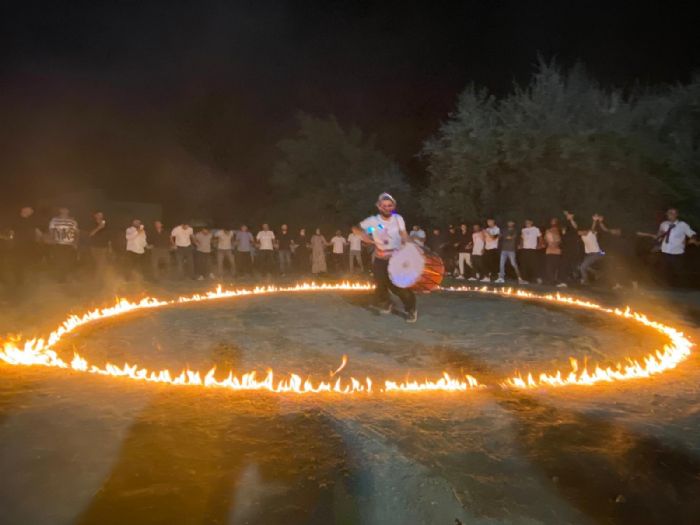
415	268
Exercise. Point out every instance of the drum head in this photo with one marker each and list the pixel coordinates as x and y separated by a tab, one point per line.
406	266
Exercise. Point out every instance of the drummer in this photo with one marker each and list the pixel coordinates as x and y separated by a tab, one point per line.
387	231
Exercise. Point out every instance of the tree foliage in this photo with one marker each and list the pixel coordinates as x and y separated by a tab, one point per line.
329	175
566	142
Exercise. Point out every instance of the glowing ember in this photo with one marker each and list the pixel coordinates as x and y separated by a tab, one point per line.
40	352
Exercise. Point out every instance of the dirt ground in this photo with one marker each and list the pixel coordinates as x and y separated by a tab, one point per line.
77	449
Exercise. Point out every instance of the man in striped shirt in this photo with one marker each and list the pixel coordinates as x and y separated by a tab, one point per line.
64	237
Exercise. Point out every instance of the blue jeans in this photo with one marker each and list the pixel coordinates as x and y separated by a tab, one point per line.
285	261
589	260
507	256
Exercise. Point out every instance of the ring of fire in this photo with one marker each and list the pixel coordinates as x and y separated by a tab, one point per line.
40	351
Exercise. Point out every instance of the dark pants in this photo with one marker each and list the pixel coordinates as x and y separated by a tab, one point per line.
185	264
135	263
160	257
244	263
380	268
673	268
265	261
552	264
529	267
285	261
491	263
338	260
21	262
202	263
64	260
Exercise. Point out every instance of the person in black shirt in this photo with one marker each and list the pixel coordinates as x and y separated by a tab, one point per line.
464	249
99	239
25	235
301	252
284	248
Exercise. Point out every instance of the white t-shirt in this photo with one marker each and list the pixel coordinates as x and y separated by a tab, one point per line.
135	240
590	242
355	242
338	243
530	236
478	243
64	231
224	239
183	236
386	234
676	239
265	239
203	241
490	243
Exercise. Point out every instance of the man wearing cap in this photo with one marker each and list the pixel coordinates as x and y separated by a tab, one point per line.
387	231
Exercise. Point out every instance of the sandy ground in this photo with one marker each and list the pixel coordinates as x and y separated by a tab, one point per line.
82	449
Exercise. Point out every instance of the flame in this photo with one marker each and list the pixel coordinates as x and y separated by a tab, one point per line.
40	351
677	350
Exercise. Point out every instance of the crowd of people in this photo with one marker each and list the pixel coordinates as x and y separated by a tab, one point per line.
569	250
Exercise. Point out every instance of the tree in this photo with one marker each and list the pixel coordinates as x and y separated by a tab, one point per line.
329	175
564	142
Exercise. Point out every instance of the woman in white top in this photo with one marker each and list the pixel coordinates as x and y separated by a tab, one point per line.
318	253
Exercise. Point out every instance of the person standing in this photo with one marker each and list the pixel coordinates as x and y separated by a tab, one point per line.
355	242
449	250
301	252
530	242
318	253
25	234
464	250
591	249
338	243
509	243
387	230
478	243
160	245
64	233
265	244
674	234
244	245
492	234
100	242
182	237
552	253
571	250
135	249
224	251
202	255
284	247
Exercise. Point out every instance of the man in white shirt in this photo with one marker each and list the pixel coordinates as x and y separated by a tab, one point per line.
674	234
491	236
266	245
182	237
224	251
591	249
355	242
387	231
135	249
478	243
338	243
530	242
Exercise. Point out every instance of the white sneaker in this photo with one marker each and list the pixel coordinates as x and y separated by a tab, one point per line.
212	276
412	316
200	277
460	277
472	279
486	280
539	280
562	285
617	286
522	281
500	280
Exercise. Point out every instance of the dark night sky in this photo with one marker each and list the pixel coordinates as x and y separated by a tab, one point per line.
106	95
